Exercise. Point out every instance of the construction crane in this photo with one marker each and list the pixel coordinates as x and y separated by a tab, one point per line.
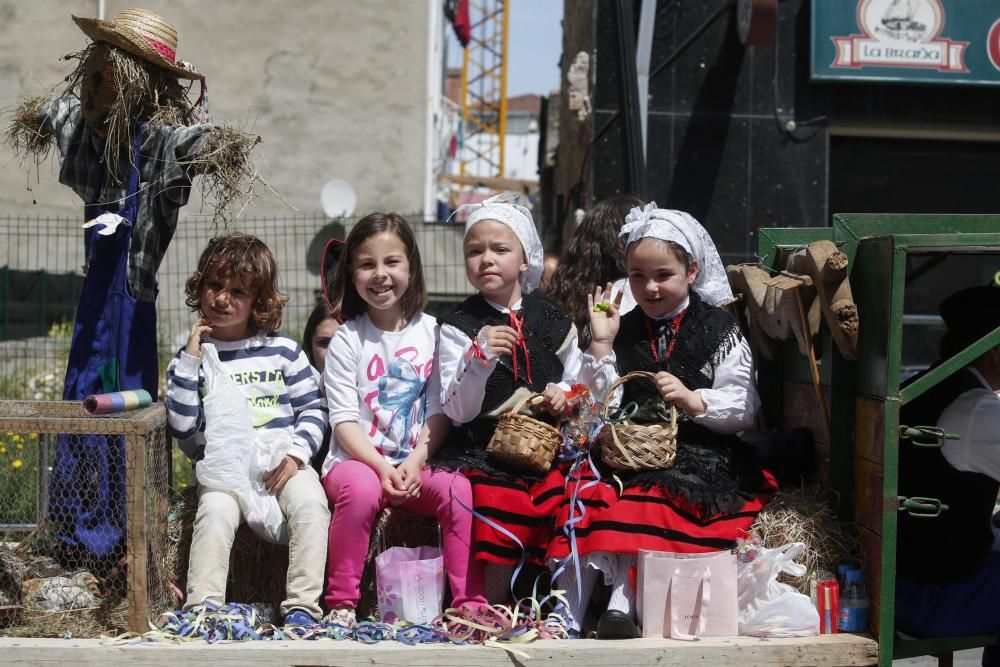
484	91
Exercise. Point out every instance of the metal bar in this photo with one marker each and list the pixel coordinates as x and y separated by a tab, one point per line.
503	89
948	368
635	172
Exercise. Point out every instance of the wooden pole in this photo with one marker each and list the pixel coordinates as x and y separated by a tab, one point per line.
135	531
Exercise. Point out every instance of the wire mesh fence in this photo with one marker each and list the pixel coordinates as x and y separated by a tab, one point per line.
41	274
83	518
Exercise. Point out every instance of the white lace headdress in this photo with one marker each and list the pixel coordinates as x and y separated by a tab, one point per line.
712	284
503	209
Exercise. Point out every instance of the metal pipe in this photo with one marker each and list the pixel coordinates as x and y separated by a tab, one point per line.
101	8
643	54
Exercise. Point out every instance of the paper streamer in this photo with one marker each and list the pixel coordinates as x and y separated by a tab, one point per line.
119	401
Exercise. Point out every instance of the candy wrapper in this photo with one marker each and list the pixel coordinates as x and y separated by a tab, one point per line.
582	421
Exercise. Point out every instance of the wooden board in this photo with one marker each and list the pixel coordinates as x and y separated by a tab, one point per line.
869	423
825	651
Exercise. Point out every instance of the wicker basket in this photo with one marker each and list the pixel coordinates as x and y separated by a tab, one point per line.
524	442
634	446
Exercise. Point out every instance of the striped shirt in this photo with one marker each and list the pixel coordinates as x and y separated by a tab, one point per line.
282	391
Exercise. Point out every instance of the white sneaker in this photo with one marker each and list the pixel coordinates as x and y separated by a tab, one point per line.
344	617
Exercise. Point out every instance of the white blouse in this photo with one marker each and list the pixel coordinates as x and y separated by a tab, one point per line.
464	374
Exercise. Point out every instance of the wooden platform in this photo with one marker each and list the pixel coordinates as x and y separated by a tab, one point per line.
824	651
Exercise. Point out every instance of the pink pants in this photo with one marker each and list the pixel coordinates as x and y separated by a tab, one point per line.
356	494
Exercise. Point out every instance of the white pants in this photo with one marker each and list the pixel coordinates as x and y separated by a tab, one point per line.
303	502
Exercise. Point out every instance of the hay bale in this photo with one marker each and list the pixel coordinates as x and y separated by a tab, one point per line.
806	515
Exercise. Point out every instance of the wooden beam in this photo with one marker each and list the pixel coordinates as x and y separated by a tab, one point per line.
493	183
840	650
135	533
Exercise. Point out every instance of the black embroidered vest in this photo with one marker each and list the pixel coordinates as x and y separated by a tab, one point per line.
712	470
545	330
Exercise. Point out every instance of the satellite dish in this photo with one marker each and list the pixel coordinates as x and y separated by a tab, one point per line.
338	199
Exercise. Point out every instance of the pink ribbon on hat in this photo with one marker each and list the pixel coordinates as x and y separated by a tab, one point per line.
161	48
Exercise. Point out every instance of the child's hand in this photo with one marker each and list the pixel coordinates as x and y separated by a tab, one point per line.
604	320
674	391
409	471
199	330
501	339
554	400
275	480
393	485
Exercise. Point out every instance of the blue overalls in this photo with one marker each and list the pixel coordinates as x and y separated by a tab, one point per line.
113	349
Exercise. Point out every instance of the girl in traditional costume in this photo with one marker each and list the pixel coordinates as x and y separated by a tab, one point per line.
703	365
496	348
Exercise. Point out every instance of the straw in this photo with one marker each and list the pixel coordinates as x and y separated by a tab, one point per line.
805	515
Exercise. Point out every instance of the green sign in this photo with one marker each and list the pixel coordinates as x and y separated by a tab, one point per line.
936	41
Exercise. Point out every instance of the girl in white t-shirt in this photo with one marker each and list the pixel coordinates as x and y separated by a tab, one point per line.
384	395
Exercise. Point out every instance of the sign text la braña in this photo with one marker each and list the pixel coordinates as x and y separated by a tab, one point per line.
914	40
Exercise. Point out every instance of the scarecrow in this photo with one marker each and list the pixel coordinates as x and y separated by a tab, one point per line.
130	141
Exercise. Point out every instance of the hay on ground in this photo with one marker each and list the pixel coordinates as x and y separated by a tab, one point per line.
806	515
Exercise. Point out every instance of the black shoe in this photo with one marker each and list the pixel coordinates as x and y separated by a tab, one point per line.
616	624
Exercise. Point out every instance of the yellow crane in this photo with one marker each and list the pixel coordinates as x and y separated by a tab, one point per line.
484	91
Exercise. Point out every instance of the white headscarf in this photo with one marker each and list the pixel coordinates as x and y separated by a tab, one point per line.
502	209
712	284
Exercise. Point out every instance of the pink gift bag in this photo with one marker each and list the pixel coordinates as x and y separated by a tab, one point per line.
686	596
410	584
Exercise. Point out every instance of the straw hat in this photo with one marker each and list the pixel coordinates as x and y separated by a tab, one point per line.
141	33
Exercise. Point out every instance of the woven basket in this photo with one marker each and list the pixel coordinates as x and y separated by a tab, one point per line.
524	442
638	447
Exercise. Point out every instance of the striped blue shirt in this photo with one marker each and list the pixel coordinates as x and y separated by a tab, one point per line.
281	388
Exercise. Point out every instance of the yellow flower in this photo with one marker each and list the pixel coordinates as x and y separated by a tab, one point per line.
3	450
33	436
18	438
20	446
16	463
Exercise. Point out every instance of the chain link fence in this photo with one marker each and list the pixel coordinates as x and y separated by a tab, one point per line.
93	537
84	509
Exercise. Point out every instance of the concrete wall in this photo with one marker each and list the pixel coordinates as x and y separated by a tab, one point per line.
335	88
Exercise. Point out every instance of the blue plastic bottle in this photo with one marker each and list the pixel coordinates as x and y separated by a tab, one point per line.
853	604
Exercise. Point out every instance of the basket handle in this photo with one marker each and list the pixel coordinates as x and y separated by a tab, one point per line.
631	376
530	399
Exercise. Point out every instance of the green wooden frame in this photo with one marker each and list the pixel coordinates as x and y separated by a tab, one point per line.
877	246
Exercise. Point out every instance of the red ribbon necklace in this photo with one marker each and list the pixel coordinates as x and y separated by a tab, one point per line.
517	324
675	325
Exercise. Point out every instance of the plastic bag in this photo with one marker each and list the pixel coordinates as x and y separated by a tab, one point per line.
410	584
769	608
236	455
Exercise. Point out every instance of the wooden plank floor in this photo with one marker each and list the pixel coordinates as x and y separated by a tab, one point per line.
824	651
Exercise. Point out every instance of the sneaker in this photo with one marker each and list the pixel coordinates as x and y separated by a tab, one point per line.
344	617
299	617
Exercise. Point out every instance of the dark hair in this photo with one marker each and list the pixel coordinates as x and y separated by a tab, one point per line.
594	256
351	304
319	314
247	258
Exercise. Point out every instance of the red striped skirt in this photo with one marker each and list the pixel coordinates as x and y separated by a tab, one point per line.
651	519
527	509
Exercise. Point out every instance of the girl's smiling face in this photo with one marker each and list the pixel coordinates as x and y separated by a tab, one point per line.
657	276
494	261
380	272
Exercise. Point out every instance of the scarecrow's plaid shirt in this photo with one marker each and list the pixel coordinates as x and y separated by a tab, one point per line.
164	181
